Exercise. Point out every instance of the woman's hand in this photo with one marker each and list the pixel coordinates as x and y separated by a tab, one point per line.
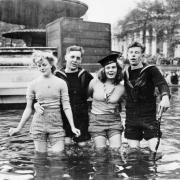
38	108
13	131
76	131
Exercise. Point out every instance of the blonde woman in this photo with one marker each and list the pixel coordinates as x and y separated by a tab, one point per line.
49	91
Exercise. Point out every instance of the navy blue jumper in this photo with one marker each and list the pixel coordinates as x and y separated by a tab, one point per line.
140	85
77	83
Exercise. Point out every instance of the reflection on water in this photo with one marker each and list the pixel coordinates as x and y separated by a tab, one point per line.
18	160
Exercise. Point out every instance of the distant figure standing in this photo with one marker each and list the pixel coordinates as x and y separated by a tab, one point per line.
168	78
49	91
174	78
106	91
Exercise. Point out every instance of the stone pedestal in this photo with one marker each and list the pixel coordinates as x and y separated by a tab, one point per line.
94	37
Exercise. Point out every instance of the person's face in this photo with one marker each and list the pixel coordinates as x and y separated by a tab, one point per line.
135	55
73	60
110	70
44	67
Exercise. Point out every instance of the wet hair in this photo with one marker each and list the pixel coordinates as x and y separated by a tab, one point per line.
75	48
38	56
118	78
137	44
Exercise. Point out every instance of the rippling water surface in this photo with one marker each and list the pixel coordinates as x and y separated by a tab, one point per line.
18	161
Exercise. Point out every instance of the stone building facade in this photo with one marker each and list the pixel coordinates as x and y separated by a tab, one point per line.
155	43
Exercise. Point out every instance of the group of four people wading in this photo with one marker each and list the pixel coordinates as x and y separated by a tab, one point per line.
61	109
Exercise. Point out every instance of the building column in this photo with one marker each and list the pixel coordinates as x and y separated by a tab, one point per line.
135	36
177	50
154	42
147	45
125	46
115	43
141	36
129	40
165	44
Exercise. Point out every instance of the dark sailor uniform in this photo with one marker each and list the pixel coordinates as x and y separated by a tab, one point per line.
77	86
140	87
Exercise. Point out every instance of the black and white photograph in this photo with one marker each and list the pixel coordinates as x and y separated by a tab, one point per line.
89	89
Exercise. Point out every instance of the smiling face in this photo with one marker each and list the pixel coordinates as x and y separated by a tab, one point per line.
135	55
73	60
44	67
111	70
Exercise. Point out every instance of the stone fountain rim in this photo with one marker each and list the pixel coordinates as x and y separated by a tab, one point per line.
72	1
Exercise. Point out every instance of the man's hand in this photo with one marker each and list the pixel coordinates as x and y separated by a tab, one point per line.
76	131
164	104
38	108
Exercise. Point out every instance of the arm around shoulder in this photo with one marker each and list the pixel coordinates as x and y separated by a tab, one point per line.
121	90
91	87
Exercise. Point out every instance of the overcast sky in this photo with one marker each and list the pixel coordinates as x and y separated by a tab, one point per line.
108	11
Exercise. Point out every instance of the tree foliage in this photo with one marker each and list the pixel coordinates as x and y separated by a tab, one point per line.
159	15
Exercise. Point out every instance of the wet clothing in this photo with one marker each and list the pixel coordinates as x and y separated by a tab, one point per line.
105	119
77	86
47	126
140	87
49	93
106	125
99	104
